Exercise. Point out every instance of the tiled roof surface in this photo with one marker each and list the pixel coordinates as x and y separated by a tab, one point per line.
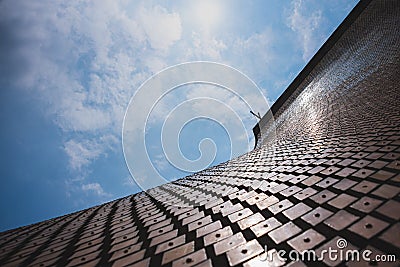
327	168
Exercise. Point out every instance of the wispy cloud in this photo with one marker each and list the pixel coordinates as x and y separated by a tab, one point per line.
82	152
85	60
306	25
204	46
95	188
162	28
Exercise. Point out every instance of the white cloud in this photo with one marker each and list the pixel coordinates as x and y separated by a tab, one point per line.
256	47
85	60
161	27
95	188
306	26
256	55
82	153
203	46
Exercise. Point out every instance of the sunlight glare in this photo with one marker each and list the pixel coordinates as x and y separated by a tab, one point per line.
207	13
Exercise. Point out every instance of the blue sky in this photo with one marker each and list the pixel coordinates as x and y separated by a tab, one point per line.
69	68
